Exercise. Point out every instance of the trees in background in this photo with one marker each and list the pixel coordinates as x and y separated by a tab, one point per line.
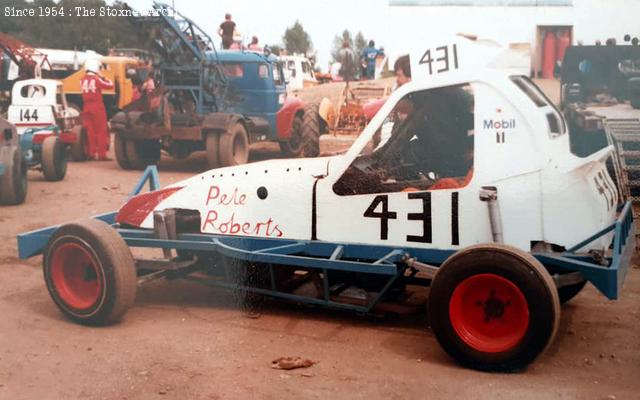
71	32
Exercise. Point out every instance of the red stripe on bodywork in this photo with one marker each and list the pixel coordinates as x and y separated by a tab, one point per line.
137	208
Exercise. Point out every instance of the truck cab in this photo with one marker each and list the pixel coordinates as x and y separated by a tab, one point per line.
298	72
256	88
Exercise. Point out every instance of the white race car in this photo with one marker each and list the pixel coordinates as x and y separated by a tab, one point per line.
464	181
47	127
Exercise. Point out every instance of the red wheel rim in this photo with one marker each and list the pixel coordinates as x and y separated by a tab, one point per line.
489	313
75	276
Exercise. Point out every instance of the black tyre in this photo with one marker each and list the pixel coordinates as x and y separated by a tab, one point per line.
142	153
90	272
213	149
13	183
54	159
179	150
234	146
311	131
120	150
79	148
293	148
567	293
493	307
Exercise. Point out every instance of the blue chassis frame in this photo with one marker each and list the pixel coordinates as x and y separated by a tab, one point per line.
26	143
356	258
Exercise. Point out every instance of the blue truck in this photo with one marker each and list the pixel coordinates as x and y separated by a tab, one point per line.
217	101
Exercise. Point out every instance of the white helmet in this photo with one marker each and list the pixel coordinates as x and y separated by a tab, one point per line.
92	65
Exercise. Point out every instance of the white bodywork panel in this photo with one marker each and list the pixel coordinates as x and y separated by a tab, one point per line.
294	63
38	103
521	147
228	202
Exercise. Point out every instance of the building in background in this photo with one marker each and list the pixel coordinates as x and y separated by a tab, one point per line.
541	28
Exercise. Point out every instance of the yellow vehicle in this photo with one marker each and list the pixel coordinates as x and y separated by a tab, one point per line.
122	71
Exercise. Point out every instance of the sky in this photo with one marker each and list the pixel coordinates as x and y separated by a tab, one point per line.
268	19
401	29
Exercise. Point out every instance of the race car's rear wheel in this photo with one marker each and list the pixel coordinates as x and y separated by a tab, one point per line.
13	183
567	293
120	150
234	146
311	131
294	147
90	272
493	307
79	148
213	148
142	153
54	159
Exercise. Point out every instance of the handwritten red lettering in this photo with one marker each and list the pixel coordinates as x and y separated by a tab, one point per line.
212	216
225	199
268	228
211	195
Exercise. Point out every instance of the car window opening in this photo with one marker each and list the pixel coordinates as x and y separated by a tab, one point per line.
425	143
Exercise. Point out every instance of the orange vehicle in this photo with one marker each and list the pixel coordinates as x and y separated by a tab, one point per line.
122	71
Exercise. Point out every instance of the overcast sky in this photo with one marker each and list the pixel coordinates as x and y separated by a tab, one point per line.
322	19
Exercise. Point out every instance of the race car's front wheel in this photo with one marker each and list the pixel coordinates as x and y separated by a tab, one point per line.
234	146
54	159
79	148
493	307
13	183
90	272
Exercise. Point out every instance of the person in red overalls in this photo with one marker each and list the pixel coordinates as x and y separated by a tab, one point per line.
94	116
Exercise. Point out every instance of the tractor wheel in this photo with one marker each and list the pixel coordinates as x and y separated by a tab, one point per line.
54	159
90	272
293	148
13	183
142	153
234	146
79	148
494	307
120	150
213	148
567	293
311	131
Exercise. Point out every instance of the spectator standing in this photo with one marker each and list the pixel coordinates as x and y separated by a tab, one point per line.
368	56
226	31
348	62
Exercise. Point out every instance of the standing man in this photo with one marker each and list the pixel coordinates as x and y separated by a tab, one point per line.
348	62
94	116
226	31
368	57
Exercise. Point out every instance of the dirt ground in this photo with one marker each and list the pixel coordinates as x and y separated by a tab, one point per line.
185	341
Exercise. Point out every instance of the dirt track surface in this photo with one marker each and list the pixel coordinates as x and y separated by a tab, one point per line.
184	341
